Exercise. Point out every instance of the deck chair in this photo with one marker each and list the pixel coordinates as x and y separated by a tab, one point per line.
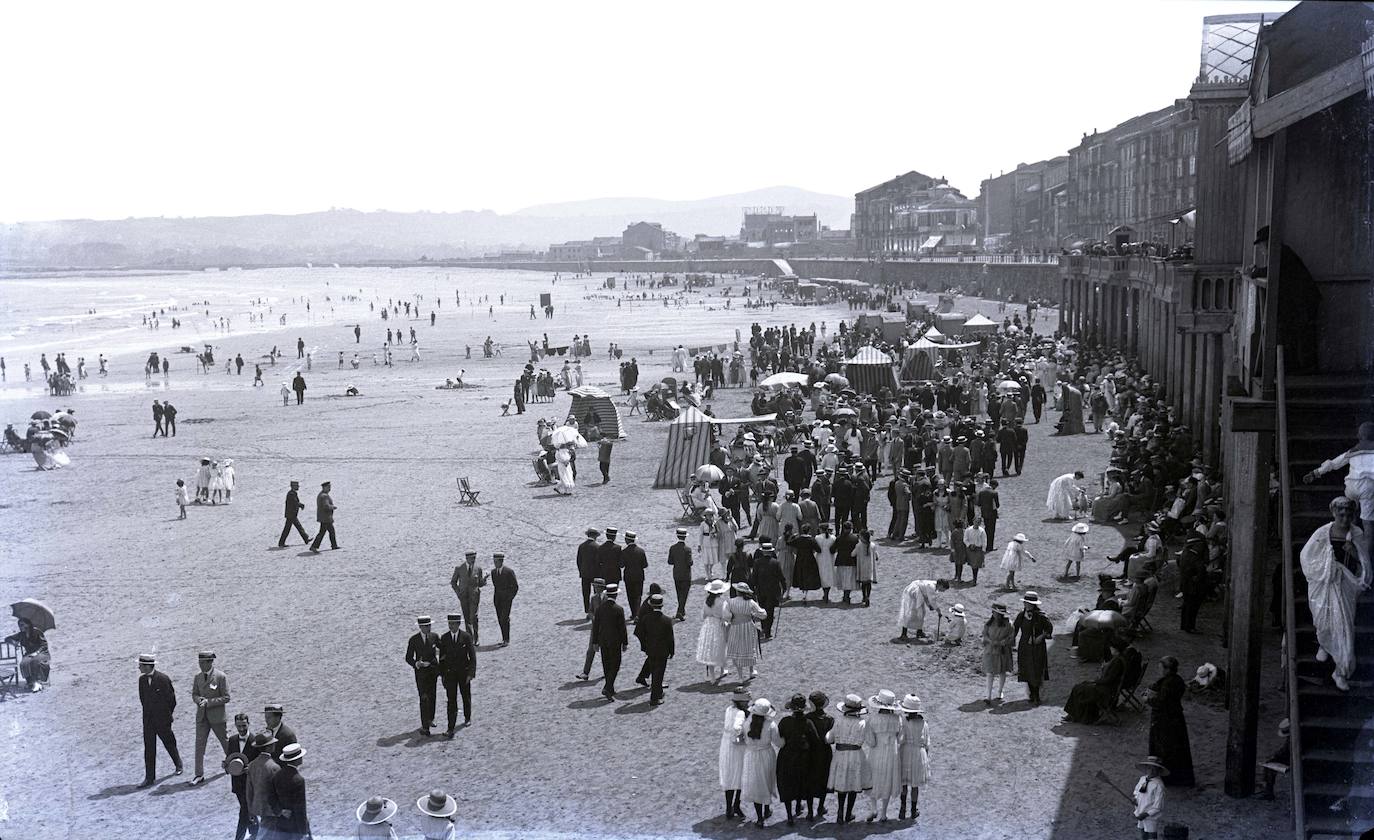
685	499
505	408
9	664
1130	683
466	495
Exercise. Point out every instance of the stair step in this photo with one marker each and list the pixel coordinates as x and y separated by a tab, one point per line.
1358	688
1343	755
1334	826
1342	723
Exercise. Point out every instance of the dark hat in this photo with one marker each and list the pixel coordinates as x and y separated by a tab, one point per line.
241	716
497	555
263	739
325	484
593	533
1262	236
295	484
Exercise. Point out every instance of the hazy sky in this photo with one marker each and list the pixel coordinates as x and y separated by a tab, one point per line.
181	109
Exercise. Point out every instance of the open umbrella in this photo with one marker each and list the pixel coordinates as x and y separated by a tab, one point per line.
844	412
1007	386
710	473
837	380
785	379
564	435
35	612
40	415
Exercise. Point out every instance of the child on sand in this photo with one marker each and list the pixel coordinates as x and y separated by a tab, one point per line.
285	394
1074	548
183	498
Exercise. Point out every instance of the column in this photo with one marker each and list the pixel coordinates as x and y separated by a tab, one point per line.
1247	496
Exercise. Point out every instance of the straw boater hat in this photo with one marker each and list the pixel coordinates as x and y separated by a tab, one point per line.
612	589
631	536
1031	598
235	764
717	587
147	659
884	699
656	601
762	707
1080	528
437	804
740	694
292	754
376	810
681	533
611	532
911	703
852	704
1153	762
1019	538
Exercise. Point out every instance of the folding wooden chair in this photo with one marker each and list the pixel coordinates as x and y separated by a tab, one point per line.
505	408
9	664
466	495
685	499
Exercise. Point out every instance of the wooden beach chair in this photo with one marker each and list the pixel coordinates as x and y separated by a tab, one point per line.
466	495
685	499
9	665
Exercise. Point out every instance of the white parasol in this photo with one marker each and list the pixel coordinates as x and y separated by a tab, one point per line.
780	379
564	435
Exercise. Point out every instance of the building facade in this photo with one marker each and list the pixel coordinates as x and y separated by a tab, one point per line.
913	215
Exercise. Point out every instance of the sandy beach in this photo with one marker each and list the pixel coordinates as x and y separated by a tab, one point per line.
325	635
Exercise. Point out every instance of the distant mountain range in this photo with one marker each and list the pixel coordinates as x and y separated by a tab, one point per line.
353	236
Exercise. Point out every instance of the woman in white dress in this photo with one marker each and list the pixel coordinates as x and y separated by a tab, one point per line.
1013	558
726	530
1359	482
708	546
826	560
759	780
849	771
731	757
866	570
882	742
711	637
915	754
1063	491
563	458
1337	571
227	472
742	634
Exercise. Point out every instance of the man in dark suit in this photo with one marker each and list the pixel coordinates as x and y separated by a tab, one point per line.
467	582
422	655
586	569
608	634
680	558
608	558
258	782
633	563
157	419
503	588
768	584
240	747
159	700
655	633
169	418
457	667
1192	577
988	503
294	506
286	796
324	514
795	471
272	714
1006	442
1022	438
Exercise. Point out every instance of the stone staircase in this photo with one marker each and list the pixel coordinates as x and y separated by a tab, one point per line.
1337	728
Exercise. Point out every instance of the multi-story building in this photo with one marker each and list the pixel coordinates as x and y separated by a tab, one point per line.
772	226
914	214
575	251
647	235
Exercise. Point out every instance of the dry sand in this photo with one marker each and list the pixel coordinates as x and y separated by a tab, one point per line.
546	755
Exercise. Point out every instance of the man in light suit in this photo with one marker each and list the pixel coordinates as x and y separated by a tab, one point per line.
210	693
467	582
324	514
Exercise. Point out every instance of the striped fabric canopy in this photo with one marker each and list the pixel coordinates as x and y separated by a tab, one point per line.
870	370
587	401
688	447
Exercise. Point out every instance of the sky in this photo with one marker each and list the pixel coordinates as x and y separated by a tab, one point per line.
193	109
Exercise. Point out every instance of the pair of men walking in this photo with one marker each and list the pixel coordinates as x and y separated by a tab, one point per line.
324	515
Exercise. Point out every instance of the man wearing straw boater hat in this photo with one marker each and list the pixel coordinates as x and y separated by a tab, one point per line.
159	700
608	634
236	765
437	810
633	564
422	655
294	506
457	668
680	558
210	693
291	821
655	633
374	817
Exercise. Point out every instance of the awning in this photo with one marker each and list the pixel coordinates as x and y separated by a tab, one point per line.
736	421
932	242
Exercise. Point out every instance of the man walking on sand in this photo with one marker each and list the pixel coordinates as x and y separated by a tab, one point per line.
210	691
294	506
324	514
298	385
158	412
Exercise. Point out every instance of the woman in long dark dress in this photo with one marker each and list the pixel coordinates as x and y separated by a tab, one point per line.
799	740
818	761
806	571
1168	728
1032	630
1091	698
33	667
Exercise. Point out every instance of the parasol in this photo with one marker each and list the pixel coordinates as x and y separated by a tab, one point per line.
837	380
564	435
785	379
844	412
1008	386
40	415
709	473
35	612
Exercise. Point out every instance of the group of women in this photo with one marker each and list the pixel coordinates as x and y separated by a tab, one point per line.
880	747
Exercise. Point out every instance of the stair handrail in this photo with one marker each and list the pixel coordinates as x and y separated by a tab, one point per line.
1290	618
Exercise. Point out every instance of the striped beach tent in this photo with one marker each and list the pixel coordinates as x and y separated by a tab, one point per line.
587	401
870	371
689	446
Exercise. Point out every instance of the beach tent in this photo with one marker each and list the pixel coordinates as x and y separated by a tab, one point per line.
934	335
918	362
893	325
870	371
587	401
688	447
950	323
980	324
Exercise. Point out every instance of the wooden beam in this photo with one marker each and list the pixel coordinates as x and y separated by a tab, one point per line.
1316	94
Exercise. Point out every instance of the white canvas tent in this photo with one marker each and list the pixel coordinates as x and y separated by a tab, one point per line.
980	324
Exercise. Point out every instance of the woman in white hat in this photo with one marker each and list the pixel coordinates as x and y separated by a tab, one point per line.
436	815
374	818
759	781
882	742
958	625
1075	548
997	643
849	772
915	754
1013	558
711	639
730	760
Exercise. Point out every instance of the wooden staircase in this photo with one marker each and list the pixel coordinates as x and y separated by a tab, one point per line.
1336	728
